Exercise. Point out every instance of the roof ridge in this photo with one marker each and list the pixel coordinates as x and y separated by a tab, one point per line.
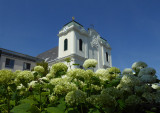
73	21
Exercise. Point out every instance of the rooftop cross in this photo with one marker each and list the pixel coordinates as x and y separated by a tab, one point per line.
73	18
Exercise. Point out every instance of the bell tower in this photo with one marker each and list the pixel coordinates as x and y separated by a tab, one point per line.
72	39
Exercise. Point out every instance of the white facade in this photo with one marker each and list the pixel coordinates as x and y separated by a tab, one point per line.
93	46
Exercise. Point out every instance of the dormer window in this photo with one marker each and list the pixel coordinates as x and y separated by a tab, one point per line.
106	56
65	44
80	44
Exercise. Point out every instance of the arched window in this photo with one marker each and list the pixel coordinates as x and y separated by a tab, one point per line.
106	56
65	44
80	44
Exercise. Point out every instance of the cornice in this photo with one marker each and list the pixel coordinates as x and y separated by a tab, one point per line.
67	29
71	56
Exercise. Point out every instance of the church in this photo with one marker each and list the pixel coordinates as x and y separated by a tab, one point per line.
79	44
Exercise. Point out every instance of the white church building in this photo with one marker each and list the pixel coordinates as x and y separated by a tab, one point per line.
79	44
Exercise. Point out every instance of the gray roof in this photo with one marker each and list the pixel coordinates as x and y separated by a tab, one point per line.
49	55
18	55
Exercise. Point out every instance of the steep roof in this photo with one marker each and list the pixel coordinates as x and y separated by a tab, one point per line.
72	22
49	55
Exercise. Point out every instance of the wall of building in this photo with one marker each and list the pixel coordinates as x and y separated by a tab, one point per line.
84	52
71	43
18	63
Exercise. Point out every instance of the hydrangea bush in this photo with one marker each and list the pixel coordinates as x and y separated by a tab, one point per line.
136	90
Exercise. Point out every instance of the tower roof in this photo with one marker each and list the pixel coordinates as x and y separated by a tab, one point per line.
73	22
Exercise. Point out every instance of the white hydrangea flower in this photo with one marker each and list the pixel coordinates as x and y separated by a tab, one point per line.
43	78
17	72
147	75
93	99
39	69
32	84
90	63
50	75
6	77
25	76
156	86
112	91
64	88
147	71
77	73
130	80
64	76
137	66
103	74
52	98
114	72
96	87
101	71
133	100
148	79
20	87
88	74
56	81
143	88
127	71
59	67
148	96
75	97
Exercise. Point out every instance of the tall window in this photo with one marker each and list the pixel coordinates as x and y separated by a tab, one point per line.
80	44
9	63
65	44
26	66
106	56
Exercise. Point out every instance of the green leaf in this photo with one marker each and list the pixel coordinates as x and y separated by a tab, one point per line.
13	87
71	110
12	102
54	110
45	93
62	105
75	64
22	108
59	109
29	101
34	109
115	82
91	110
121	104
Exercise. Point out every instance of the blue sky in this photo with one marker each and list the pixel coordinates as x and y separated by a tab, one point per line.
132	27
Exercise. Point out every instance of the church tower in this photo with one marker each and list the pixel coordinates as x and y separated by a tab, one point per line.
78	44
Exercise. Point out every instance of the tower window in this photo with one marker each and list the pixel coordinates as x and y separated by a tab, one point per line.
80	44
106	56
65	44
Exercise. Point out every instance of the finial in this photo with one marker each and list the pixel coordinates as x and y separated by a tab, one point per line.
73	18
